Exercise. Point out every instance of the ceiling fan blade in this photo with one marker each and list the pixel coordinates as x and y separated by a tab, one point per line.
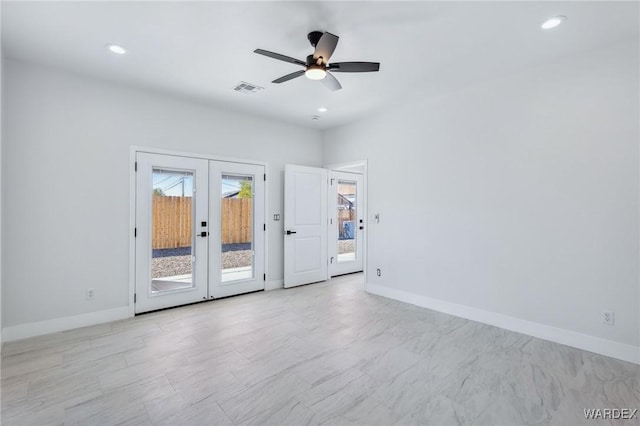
331	82
288	77
280	57
354	66
325	47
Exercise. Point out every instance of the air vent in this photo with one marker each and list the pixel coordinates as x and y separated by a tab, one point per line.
244	87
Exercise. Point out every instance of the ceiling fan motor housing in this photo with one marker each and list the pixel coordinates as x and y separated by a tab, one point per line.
311	61
314	37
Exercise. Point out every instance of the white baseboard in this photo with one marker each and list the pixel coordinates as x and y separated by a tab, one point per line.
274	285
586	342
32	329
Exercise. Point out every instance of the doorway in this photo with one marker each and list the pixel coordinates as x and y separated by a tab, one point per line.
199	230
346	222
324	222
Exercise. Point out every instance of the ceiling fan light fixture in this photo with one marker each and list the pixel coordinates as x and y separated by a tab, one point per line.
315	72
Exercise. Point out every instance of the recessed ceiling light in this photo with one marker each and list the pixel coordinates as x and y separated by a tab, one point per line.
322	109
115	48
553	22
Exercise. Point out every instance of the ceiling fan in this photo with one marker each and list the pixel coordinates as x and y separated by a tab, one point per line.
317	65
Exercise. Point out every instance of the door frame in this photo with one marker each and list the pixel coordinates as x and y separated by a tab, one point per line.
359	166
134	149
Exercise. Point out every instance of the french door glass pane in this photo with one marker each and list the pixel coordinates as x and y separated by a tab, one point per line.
172	230
237	228
346	220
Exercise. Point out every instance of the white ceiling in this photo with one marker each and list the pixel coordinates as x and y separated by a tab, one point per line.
201	50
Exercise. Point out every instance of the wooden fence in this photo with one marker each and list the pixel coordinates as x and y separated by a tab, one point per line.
171	226
236	220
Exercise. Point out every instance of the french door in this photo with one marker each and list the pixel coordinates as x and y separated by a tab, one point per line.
236	207
171	249
199	230
346	222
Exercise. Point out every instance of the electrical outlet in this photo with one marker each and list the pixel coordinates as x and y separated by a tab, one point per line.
608	317
90	294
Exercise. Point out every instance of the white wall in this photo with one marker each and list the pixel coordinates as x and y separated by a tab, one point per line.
66	181
516	197
1	144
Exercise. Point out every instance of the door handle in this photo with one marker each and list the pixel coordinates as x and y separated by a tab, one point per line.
291	232
203	234
362	227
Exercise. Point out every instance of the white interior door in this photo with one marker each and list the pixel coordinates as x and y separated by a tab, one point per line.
236	244
171	254
305	224
346	222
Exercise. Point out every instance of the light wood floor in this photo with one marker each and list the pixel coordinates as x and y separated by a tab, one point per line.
324	353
